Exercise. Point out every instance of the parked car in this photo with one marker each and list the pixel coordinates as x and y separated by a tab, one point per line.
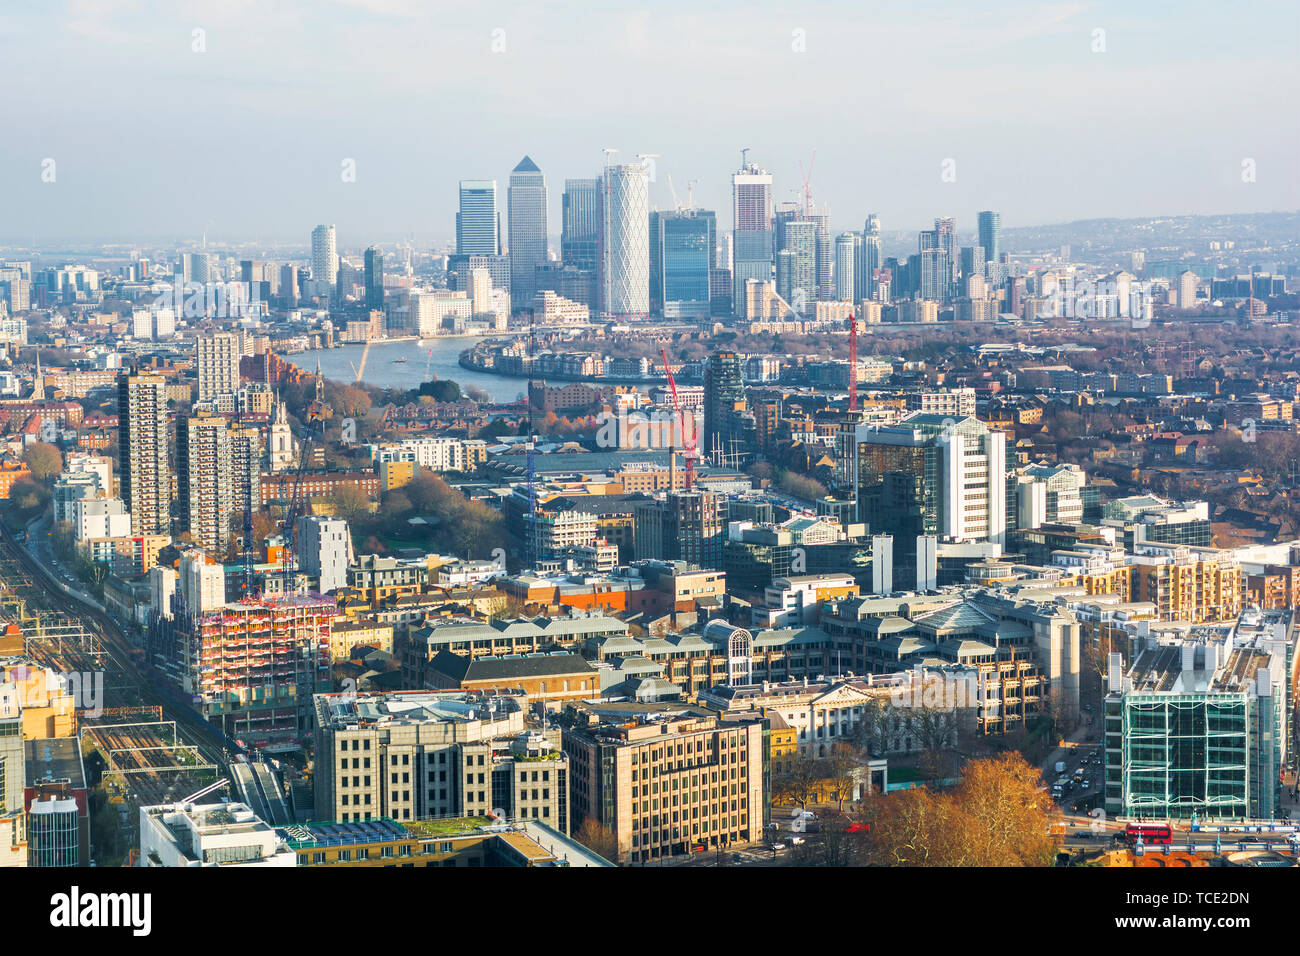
796	840
777	846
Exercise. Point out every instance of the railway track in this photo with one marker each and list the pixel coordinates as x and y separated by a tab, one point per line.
95	643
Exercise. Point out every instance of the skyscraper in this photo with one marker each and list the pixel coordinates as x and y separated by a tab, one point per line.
990	235
478	225
753	249
216	362
931	475
527	201
625	240
146	480
324	256
374	279
581	223
869	260
846	248
681	256
205	480
796	273
728	427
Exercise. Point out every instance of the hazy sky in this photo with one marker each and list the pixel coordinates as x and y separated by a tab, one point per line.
247	138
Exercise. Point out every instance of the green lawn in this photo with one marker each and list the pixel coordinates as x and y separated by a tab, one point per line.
449	827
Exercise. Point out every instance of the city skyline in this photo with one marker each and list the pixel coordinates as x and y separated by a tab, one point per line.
995	85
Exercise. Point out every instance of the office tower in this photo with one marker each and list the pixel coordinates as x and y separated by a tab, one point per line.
526	199
990	235
686	526
460	271
933	475
869	262
847	245
374	279
324	257
945	233
478	224
681	257
1200	724
216	362
796	274
197	267
146	480
581	223
753	247
724	405
289	285
625	241
324	551
205	480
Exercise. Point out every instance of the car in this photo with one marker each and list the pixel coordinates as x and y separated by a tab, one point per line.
797	841
858	828
808	815
777	846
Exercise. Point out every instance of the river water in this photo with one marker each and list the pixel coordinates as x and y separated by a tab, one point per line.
438	358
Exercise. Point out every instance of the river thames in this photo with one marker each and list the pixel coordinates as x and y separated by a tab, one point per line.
438	358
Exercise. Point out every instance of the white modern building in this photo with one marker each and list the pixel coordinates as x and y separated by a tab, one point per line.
324	550
209	834
625	245
324	255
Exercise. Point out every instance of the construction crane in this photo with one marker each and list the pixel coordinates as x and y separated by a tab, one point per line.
690	194
853	364
688	436
807	184
365	354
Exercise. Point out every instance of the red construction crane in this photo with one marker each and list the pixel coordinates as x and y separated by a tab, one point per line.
853	364
688	436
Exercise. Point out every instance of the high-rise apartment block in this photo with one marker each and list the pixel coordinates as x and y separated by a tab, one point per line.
146	481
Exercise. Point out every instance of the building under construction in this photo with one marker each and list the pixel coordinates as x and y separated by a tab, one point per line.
251	667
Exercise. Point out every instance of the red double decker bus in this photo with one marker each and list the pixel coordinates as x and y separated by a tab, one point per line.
1149	833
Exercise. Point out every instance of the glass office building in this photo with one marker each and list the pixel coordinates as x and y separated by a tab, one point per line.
681	256
1199	726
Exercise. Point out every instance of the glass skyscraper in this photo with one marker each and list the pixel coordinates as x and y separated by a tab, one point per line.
374	279
753	247
990	233
681	254
527	202
478	225
625	240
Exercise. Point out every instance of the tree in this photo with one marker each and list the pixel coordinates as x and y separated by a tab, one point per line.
798	783
841	774
351	503
44	460
598	838
996	817
440	390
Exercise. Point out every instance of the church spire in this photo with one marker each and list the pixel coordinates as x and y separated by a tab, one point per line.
38	385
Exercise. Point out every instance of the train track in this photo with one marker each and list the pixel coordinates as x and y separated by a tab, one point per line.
138	752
